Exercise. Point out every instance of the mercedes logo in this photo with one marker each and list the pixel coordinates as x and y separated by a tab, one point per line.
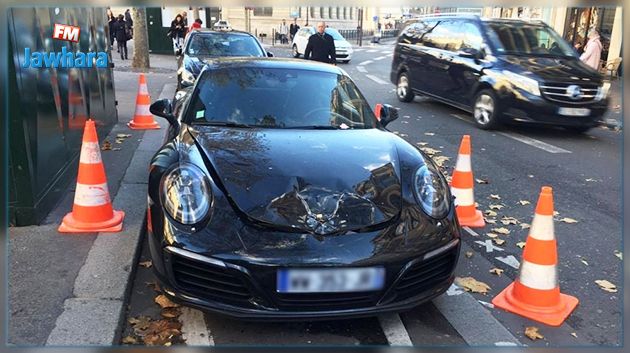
574	92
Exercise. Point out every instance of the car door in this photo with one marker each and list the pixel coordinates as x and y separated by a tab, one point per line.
412	54
302	39
437	46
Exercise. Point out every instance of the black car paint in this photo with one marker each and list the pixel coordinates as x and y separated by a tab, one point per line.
252	246
455	78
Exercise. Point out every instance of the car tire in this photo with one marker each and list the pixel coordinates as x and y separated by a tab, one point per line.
486	110
403	88
296	54
578	129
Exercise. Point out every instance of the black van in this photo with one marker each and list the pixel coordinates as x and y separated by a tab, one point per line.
499	70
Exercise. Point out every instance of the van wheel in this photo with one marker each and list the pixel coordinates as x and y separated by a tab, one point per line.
486	110
403	89
296	54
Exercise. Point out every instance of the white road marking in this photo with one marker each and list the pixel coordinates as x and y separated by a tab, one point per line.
472	232
359	49
394	330
454	290
366	62
361	69
510	261
380	58
194	328
390	55
489	246
385	51
486	304
535	143
461	118
377	80
372	51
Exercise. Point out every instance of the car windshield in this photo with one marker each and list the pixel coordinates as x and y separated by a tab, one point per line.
279	98
333	32
223	44
528	39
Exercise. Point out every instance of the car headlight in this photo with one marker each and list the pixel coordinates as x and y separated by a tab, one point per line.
602	92
186	194
431	191
187	77
523	82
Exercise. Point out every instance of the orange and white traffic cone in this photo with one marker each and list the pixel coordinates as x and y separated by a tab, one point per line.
143	119
536	293
92	210
462	188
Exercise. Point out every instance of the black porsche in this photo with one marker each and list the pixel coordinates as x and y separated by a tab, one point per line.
280	195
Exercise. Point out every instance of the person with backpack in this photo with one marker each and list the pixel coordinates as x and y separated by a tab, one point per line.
177	33
120	32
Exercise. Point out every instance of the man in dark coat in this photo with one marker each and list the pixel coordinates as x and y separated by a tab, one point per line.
120	31
321	46
293	28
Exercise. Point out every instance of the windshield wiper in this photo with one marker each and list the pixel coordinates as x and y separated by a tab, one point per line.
315	127
222	123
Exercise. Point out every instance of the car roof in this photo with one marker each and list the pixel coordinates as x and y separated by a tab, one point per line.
274	63
474	17
205	31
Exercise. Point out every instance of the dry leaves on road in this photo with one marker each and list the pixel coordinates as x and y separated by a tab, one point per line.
607	286
481	181
496	207
154	286
422	143
161	332
520	244
495	196
619	254
574	334
524	202
129	340
164	302
123	136
584	262
525	225
430	151
509	220
532	333
429	133
497	271
107	146
146	264
468	254
472	285
499	241
501	230
490	220
440	160
170	313
568	220
492	235
139	323
490	213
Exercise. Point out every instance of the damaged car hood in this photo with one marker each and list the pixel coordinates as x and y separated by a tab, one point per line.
320	182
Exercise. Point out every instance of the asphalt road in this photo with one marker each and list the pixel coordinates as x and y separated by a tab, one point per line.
585	173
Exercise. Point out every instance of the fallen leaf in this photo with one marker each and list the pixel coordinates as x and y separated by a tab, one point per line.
164	302
499	241
468	254
481	181
619	254
490	213
525	225
492	235
607	286
154	286
509	220
501	230
495	196
146	264
430	151
140	323
116	149
556	213
161	332
530	176
574	334
422	143
532	333
524	202
170	313
497	271
129	340
491	220
584	262
107	146
472	285
568	220
440	160
123	136
119	141
590	179
429	133
520	244
168	344
496	207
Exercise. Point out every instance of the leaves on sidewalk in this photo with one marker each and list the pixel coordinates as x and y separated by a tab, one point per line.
422	143
532	333
430	151
164	302
497	271
440	160
472	285
606	285
161	332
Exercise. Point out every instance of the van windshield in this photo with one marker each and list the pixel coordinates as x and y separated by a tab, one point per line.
528	39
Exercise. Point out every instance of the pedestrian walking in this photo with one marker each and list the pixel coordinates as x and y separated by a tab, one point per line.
196	25
177	32
185	18
120	31
110	21
293	28
284	32
593	50
321	46
129	22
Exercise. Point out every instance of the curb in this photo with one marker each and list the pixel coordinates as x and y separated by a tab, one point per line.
101	290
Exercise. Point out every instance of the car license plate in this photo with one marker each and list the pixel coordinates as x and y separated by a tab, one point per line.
330	280
574	111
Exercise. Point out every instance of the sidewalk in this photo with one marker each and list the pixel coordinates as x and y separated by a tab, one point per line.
69	289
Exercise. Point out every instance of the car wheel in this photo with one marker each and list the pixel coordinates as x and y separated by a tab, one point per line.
296	54
403	88
486	110
578	129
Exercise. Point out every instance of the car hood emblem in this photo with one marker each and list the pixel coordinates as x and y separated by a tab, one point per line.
574	92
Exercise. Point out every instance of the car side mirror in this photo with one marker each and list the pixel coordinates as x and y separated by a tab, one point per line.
386	113
164	108
269	54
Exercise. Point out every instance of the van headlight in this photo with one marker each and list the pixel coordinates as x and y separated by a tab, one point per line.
431	191
186	194
523	82
602	92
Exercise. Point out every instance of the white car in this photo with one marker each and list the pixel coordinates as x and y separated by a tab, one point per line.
343	49
222	25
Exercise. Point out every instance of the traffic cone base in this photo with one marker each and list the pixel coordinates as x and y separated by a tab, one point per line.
71	225
551	315
142	118
476	221
151	125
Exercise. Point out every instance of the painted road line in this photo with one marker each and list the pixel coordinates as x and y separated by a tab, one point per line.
461	118
394	330
380	58
194	328
510	261
534	143
366	62
386	51
472	232
377	80
390	55
372	51
361	69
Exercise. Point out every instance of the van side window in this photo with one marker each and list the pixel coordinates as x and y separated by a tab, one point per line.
444	35
415	32
471	36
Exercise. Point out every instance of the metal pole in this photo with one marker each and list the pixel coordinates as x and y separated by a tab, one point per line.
361	27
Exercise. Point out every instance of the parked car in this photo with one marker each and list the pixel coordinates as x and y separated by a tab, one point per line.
500	70
202	46
279	195
222	25
343	49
